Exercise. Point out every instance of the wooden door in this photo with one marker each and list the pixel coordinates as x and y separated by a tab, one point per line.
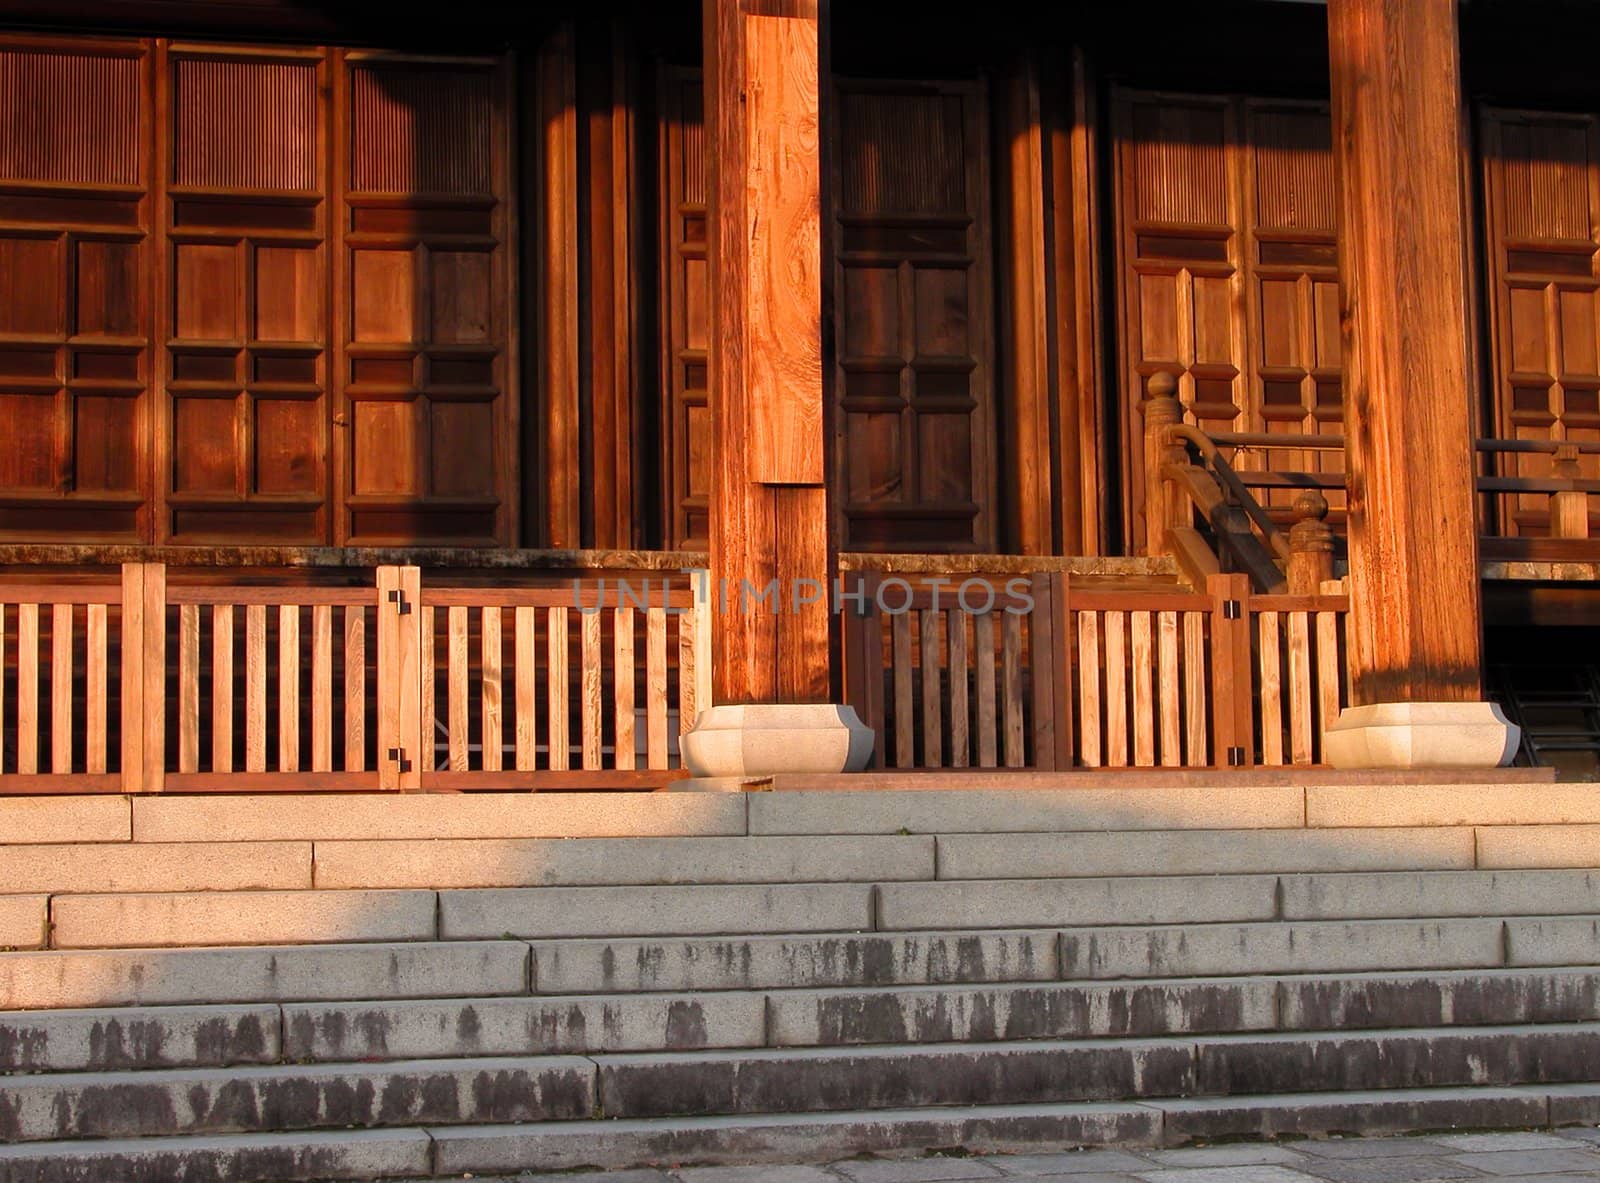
913	328
1228	271
243	432
75	212
1542	218
427	423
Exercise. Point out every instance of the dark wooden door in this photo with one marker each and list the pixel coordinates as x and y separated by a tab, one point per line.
914	407
1542	217
254	295
1228	270
75	212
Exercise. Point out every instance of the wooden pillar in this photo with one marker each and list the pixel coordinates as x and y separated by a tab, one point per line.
1408	413
769	519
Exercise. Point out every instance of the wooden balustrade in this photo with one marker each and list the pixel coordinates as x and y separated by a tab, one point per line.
1052	676
146	684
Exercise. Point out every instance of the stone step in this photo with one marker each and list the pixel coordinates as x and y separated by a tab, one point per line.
298	1097
548	912
246	1158
170	919
1016	1128
799	1080
382	1030
113	1038
155	866
1067	1010
587	862
109	1038
80	978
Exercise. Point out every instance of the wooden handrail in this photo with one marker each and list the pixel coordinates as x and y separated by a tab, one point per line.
1242	496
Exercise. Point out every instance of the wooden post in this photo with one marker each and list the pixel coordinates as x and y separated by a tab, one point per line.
769	513
1310	545
1569	509
1161	411
1407	394
1232	703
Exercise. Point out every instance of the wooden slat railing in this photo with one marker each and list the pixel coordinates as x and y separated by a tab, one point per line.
1052	676
146	684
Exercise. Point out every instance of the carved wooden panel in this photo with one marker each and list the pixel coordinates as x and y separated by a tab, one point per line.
1542	216
914	329
686	409
426	403
74	282
1229	275
244	293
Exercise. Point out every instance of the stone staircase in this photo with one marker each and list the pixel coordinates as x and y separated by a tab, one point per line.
365	987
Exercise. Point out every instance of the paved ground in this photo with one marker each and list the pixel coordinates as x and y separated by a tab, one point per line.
1564	1156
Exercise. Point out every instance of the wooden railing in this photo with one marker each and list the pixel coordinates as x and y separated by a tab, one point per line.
1050	675
148	683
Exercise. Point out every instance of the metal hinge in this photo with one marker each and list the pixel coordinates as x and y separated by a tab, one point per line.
1231	609
398	755
398	598
1235	757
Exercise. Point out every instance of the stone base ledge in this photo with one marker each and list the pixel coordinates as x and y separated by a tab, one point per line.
755	741
1421	735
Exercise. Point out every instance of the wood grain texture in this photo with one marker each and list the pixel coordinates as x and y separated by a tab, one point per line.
1408	409
558	285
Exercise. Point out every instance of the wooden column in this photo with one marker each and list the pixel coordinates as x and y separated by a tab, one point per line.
1408	409
769	516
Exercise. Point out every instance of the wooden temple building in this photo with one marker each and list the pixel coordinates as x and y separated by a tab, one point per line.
404	403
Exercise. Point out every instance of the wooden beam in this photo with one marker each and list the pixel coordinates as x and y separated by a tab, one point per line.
1408	406
768	504
558	288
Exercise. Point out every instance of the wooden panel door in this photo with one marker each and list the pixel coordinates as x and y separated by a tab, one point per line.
686	408
426	416
1228	271
243	294
1542	217
75	211
913	336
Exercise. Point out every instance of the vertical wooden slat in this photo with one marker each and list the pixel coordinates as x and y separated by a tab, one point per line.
1116	706
388	629
427	691
221	688
701	615
905	736
155	677
655	693
255	688
622	682
960	741
355	688
1232	710
322	688
527	677
1271	690
132	676
189	688
592	702
61	696
988	722
96	657
1167	696
1051	748
27	688
1329	670
414	691
493	732
288	688
1144	706
556	688
1089	722
1194	689
456	688
932	688
1011	694
1300	722
1060	662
